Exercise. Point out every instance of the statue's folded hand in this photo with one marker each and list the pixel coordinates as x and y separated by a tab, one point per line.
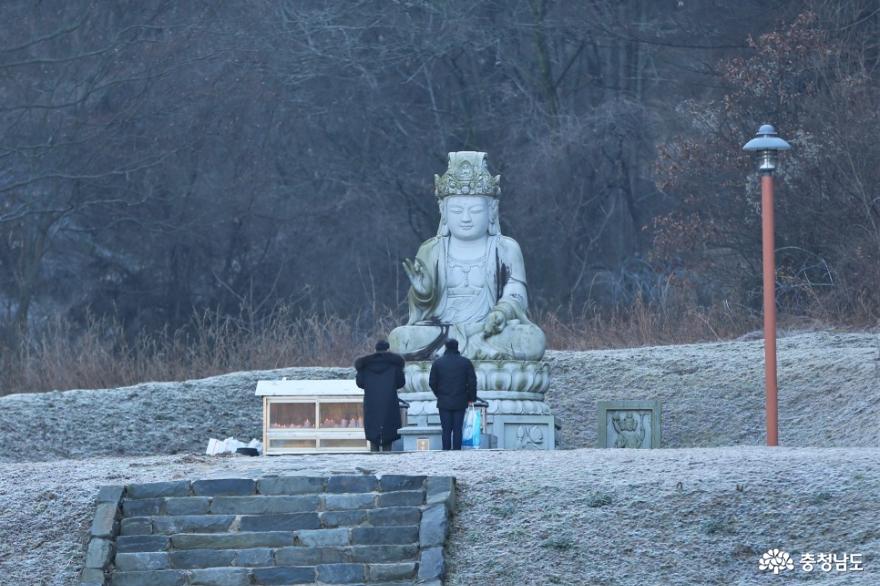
495	322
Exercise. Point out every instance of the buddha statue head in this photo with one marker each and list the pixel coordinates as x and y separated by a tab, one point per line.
468	197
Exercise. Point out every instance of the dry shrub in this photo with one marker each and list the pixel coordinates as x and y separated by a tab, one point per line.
100	354
642	324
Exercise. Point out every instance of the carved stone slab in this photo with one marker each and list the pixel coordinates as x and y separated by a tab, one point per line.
524	432
629	424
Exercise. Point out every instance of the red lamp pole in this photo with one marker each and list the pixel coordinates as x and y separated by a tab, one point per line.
769	248
766	144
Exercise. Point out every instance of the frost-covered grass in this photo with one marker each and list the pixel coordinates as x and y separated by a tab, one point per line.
700	511
712	395
671	516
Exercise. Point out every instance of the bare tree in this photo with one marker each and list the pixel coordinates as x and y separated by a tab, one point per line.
160	158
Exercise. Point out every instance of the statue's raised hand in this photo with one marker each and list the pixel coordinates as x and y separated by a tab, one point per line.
418	276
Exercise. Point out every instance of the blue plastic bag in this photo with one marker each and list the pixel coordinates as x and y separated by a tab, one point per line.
470	433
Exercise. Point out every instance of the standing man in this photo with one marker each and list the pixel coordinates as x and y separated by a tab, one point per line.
454	383
380	375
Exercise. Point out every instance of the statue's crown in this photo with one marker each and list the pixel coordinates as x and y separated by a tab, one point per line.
467	174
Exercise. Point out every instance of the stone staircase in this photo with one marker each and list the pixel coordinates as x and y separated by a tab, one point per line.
271	531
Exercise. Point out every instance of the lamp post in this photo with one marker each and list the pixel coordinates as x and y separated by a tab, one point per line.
766	144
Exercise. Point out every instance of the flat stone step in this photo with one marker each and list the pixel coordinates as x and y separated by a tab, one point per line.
266	505
354	529
334	573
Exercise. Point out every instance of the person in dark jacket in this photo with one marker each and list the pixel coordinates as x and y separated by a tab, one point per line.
380	375
454	383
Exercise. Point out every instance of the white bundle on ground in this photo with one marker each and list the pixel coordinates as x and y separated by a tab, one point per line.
230	445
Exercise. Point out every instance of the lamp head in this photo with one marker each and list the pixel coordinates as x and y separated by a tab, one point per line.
766	144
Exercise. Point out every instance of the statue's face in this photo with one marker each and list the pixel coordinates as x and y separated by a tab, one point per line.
467	216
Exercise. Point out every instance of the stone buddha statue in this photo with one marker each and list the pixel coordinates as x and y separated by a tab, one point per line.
468	282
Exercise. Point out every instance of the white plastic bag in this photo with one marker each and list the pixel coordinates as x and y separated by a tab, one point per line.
229	445
470	433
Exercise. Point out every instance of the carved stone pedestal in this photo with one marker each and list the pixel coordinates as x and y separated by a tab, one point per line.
414	438
517	415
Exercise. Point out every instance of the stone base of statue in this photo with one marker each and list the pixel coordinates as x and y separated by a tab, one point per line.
517	415
415	438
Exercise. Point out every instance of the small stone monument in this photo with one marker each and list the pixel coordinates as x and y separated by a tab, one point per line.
629	424
469	283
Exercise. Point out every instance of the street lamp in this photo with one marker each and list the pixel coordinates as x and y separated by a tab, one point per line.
766	144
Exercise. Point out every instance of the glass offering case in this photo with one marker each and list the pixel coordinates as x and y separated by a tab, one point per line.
312	416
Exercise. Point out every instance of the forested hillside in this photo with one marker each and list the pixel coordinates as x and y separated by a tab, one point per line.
162	159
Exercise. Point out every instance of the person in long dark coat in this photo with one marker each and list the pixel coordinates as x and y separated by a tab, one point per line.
454	383
380	375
